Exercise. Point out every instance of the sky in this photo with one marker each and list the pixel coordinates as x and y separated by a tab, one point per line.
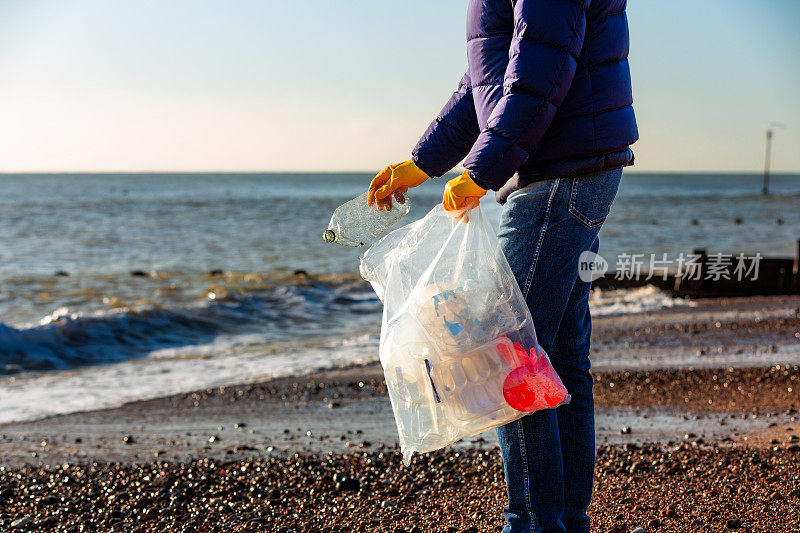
321	85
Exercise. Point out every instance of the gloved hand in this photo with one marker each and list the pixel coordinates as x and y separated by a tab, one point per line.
462	193
394	179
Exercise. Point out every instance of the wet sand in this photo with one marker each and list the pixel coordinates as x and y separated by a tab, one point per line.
348	409
693	447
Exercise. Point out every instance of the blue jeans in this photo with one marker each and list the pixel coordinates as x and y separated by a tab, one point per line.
548	456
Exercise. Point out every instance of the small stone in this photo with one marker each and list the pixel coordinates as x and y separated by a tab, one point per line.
20	523
733	523
793	448
213	438
344	483
128	439
386	504
626	430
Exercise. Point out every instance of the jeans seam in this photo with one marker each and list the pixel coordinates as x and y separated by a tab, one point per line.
539	242
573	194
525	474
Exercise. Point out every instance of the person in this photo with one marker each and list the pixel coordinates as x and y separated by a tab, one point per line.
543	117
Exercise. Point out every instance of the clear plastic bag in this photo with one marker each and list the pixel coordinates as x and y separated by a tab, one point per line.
458	346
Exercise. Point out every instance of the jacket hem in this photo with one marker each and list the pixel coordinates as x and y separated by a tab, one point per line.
578	167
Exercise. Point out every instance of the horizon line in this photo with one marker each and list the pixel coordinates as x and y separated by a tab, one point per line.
333	172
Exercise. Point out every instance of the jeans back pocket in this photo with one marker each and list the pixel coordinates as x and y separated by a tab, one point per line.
590	198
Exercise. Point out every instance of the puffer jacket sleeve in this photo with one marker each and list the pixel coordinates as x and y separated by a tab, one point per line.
548	36
451	135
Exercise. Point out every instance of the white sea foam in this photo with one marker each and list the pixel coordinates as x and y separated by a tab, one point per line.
166	372
632	301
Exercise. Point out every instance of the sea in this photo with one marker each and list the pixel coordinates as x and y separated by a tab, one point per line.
120	287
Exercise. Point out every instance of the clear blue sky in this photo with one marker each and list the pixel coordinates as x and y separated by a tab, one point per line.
351	84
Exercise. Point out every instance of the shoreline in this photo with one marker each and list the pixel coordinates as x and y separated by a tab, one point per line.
720	333
346	409
696	446
660	375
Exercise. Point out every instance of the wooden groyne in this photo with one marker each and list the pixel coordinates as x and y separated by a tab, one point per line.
774	276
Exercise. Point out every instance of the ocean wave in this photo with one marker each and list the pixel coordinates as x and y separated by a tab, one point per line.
217	313
302	310
77	341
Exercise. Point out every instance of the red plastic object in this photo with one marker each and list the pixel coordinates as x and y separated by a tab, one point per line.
517	357
534	385
507	354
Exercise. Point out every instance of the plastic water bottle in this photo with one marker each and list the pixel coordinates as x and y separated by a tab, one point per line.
355	223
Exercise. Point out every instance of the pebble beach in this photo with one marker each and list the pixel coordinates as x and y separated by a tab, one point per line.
682	488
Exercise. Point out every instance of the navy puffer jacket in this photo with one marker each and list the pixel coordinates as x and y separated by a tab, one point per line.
547	95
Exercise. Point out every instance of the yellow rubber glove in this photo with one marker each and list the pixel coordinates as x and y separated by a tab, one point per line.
394	179
462	193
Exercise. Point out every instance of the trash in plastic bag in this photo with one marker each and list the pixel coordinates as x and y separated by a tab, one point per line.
458	346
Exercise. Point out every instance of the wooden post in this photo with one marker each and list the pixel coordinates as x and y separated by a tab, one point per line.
767	157
796	269
705	284
693	287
